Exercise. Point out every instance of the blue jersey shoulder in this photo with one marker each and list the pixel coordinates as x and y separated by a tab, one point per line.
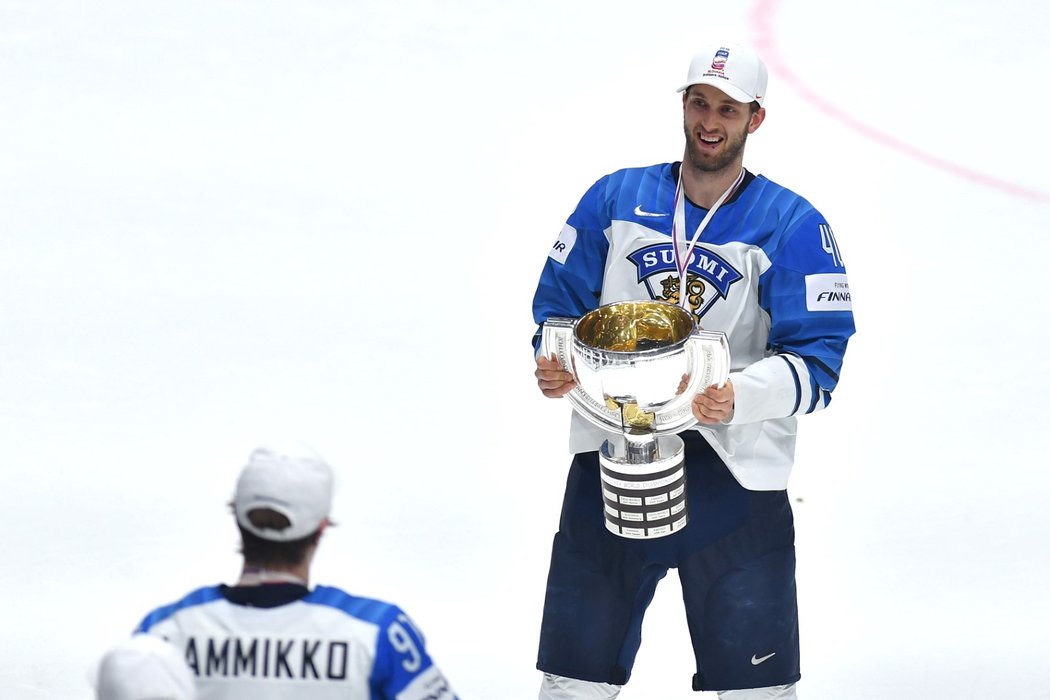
642	194
768	215
377	612
200	596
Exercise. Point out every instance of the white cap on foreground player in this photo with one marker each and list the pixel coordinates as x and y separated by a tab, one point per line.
144	668
294	481
734	69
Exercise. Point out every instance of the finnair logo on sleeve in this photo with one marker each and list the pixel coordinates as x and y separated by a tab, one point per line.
827	292
563	246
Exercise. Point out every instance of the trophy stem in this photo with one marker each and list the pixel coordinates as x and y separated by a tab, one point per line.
640	447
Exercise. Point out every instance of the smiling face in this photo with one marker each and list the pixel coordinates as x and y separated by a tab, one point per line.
716	128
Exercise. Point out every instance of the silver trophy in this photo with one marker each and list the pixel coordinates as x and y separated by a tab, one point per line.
637	366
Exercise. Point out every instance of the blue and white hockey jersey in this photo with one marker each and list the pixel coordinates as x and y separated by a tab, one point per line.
286	641
766	271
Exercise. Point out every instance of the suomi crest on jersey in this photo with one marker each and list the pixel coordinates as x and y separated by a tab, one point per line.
708	276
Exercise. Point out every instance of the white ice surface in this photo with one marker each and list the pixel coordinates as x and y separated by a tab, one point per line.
226	221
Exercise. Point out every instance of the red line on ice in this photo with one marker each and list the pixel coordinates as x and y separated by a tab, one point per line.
762	14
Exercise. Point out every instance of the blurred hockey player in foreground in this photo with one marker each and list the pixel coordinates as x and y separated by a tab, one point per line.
273	635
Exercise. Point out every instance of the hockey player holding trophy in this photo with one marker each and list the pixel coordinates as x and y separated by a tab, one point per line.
753	274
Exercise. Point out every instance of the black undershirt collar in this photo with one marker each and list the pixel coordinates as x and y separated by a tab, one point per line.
267	595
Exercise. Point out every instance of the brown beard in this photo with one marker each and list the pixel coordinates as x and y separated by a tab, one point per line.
695	160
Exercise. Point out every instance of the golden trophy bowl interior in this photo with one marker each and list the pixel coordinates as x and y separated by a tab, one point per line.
635	326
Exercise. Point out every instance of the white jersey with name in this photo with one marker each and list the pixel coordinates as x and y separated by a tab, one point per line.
286	641
766	270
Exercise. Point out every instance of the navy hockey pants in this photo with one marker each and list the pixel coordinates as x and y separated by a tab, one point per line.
736	562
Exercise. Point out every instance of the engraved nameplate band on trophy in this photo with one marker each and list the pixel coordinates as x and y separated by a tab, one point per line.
637	366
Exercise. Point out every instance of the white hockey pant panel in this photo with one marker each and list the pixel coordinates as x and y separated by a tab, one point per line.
562	688
775	692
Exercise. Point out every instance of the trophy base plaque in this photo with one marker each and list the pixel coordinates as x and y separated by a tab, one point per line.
645	497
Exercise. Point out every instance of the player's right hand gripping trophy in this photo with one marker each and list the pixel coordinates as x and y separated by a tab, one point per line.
637	366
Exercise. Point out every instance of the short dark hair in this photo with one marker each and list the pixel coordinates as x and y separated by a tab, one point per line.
261	552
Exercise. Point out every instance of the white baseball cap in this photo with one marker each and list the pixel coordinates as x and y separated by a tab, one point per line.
292	480
144	667
734	69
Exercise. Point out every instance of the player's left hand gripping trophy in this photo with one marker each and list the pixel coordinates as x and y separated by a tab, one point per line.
637	366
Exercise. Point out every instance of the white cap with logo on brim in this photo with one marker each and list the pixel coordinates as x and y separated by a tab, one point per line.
734	69
294	481
144	667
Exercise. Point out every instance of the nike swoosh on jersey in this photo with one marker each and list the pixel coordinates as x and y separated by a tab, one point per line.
756	660
638	211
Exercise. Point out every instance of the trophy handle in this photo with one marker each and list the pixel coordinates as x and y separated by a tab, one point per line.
556	340
708	364
712	349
